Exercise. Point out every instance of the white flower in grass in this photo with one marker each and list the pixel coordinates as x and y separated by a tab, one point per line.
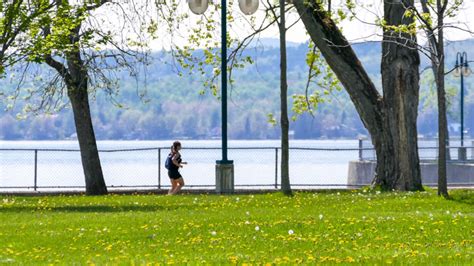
247	222
257	228
247	213
237	199
290	232
447	212
213	233
321	217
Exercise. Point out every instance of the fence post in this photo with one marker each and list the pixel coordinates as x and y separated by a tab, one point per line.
35	186
159	168
361	145
472	150
276	167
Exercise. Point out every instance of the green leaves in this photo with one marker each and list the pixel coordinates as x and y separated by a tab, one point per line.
321	80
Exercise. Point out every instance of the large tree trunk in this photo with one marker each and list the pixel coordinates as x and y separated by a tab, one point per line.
391	120
400	83
285	125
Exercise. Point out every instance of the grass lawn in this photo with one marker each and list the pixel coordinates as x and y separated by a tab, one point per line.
332	227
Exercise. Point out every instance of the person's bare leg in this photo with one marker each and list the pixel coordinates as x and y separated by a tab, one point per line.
180	184
174	185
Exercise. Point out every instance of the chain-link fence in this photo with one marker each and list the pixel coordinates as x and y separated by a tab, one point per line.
61	169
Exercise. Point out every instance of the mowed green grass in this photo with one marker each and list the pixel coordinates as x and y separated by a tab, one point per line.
320	227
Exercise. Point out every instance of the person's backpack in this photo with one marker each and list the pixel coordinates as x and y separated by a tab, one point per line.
169	161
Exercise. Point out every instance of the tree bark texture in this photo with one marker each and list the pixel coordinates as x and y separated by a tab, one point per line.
400	83
94	179
391	118
442	119
285	125
442	125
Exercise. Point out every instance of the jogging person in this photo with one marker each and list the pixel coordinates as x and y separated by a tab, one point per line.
173	163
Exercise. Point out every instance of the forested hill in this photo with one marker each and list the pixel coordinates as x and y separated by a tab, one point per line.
176	109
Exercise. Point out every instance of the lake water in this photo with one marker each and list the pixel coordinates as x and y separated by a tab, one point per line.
254	163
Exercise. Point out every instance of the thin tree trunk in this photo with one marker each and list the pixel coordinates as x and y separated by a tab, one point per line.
442	140
285	175
442	119
435	56
390	121
75	77
79	96
94	179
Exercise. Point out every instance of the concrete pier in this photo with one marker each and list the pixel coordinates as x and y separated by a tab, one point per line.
362	173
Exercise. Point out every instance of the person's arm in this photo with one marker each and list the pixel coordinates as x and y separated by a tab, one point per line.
175	160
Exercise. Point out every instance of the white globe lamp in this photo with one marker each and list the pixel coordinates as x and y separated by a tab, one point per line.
466	70
248	7
198	7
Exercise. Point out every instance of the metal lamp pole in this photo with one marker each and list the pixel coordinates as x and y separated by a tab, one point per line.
462	69
224	167
224	82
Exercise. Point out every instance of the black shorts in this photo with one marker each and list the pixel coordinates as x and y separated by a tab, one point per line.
174	174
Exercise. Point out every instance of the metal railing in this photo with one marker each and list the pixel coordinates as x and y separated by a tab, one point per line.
427	149
257	167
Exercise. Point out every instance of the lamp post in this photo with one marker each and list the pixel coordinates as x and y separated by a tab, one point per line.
461	69
224	167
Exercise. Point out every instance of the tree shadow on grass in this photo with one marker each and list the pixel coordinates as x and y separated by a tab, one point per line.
96	208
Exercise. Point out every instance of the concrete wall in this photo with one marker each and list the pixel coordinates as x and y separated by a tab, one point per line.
362	173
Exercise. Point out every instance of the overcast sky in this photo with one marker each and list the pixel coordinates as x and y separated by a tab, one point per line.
357	30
